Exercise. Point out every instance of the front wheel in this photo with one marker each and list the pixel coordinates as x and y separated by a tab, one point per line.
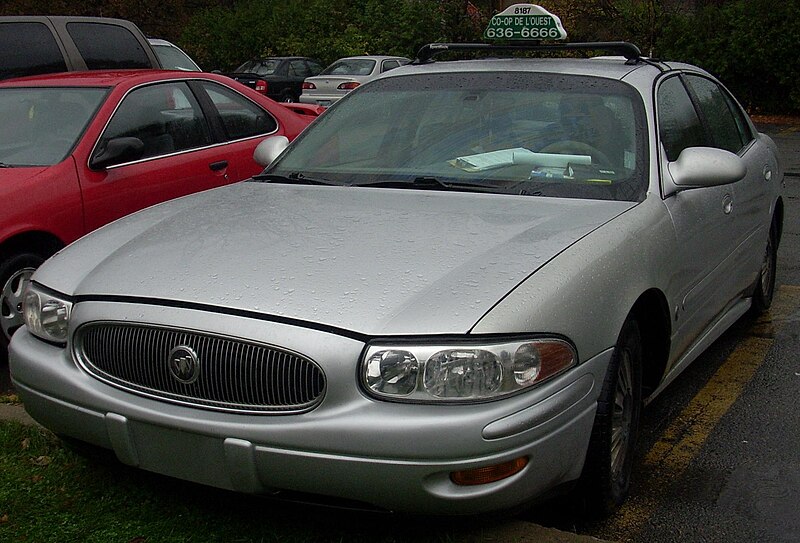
15	273
765	283
607	472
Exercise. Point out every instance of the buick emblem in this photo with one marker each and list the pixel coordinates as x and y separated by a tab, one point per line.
184	364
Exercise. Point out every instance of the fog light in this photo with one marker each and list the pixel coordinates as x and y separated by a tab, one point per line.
489	474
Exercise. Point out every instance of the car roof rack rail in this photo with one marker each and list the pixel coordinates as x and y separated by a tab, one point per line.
630	51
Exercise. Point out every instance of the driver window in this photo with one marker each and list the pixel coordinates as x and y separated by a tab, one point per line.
165	117
678	124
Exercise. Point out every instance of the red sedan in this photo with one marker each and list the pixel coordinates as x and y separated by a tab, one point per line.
81	149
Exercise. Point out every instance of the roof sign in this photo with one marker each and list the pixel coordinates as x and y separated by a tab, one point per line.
525	22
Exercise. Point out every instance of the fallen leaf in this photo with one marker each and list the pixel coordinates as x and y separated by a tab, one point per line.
36	478
4	518
42	461
26	444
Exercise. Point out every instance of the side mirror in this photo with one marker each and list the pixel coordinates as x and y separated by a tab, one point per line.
269	149
706	167
117	151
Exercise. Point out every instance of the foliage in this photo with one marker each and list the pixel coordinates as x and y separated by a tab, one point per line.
749	45
323	29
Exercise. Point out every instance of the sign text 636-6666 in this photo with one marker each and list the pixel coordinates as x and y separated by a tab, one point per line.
524	32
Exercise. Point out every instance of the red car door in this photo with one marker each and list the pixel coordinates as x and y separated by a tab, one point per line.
180	154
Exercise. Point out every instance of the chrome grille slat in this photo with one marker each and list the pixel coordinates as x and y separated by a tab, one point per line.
234	375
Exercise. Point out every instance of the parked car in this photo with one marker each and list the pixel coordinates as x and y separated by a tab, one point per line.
173	57
40	44
82	149
344	75
453	293
280	78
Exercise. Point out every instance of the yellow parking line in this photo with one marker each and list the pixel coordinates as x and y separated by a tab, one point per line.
681	442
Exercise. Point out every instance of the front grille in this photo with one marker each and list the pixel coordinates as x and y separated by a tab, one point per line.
230	374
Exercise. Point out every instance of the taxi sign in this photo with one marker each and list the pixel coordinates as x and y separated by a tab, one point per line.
525	22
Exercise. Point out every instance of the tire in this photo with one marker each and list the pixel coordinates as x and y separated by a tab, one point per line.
288	98
15	271
606	476
765	284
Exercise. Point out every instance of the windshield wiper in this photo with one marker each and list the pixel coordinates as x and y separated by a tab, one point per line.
4	165
296	178
430	183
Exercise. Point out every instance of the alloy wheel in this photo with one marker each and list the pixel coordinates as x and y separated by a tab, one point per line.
11	301
622	415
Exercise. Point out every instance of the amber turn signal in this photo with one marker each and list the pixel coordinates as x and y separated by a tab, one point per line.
489	474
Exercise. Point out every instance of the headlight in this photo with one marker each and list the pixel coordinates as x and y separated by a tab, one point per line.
46	314
459	372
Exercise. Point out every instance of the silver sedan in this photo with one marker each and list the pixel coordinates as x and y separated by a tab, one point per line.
344	75
454	293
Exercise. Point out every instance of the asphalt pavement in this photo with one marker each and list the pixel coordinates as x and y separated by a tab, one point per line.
742	482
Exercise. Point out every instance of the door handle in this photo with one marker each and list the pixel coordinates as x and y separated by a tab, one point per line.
217	166
727	204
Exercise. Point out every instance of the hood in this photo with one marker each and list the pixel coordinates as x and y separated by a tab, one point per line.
12	177
369	260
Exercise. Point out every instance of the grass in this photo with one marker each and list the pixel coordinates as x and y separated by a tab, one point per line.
9	399
48	493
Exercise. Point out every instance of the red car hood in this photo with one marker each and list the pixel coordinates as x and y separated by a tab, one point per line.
11	177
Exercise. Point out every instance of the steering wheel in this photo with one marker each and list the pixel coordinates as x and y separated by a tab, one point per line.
576	148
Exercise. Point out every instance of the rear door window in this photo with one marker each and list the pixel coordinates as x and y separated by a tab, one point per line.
28	49
314	67
298	68
108	47
240	117
722	123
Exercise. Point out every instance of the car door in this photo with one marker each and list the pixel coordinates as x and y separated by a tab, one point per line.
729	130
180	154
705	221
242	123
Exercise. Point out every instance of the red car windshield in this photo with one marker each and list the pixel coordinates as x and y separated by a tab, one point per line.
41	125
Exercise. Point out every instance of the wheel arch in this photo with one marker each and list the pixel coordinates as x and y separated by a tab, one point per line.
39	242
777	219
652	314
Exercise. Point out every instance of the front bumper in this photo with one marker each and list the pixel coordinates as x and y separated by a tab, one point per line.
391	455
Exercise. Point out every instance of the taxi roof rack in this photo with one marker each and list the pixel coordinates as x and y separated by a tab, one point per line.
626	49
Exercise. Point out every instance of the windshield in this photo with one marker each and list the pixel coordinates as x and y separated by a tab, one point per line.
350	67
518	133
41	125
259	67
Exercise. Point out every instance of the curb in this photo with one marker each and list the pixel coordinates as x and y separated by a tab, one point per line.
16	412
